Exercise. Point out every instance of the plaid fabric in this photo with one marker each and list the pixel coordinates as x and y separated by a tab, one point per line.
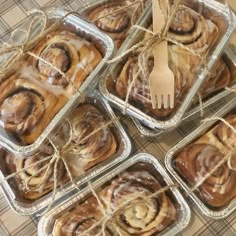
12	12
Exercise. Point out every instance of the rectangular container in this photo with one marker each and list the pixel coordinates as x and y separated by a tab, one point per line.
224	19
26	207
211	212
85	30
46	223
218	97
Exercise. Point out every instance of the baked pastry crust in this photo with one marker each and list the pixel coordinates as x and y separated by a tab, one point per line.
86	153
72	55
193	31
26	106
219	79
80	219
115	25
226	135
91	151
140	92
38	182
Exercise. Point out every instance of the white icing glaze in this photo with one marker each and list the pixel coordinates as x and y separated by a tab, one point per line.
28	73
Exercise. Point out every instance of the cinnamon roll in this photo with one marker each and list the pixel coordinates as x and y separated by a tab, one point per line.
71	60
225	134
193	31
141	216
26	107
113	22
219	79
195	161
80	219
95	149
140	92
190	29
34	181
144	217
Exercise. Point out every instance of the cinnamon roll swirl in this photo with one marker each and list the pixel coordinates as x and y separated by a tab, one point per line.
225	134
26	107
95	149
140	92
72	57
195	161
79	220
33	181
193	31
113	22
142	216
139	217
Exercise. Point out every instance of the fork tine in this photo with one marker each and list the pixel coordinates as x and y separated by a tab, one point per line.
159	101
172	100
156	101
153	98
166	100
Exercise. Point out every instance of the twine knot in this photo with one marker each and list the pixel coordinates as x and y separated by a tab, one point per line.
109	214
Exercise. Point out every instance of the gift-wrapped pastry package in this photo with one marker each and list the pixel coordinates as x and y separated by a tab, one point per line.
204	163
216	89
197	35
135	198
90	141
114	17
49	61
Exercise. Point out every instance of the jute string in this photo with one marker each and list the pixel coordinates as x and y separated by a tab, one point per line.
18	51
109	214
58	155
15	52
145	47
200	104
215	118
227	158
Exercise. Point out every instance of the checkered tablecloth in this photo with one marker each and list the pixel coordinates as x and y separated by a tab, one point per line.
12	12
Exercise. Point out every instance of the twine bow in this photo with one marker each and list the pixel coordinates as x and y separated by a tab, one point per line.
58	155
14	51
145	48
37	30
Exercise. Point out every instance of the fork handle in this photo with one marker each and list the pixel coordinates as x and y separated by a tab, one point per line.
160	54
158	21
160	51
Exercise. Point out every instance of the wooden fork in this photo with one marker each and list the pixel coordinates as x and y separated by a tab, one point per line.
161	79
